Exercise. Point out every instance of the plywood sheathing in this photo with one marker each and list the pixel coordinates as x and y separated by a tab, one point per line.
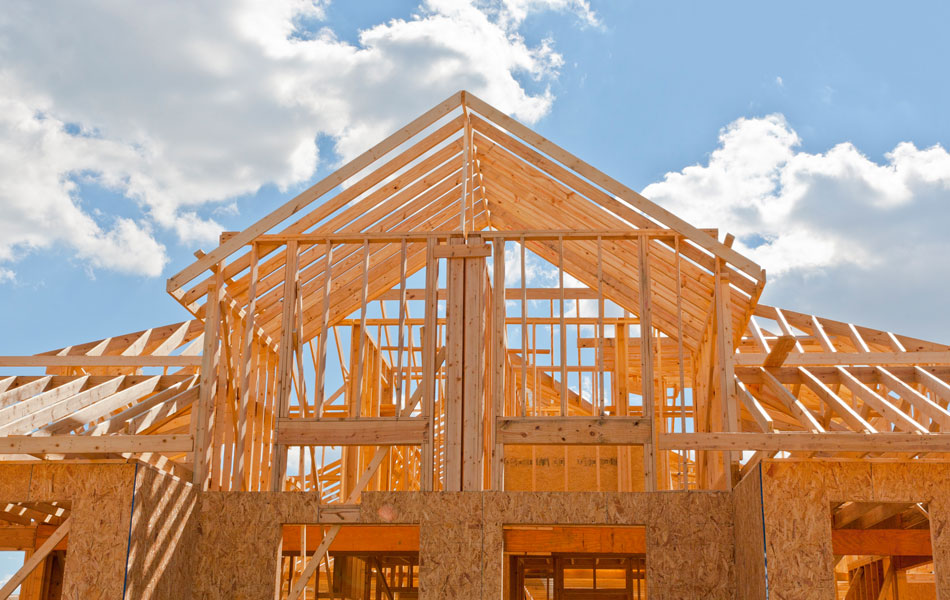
797	500
690	544
101	497
163	537
750	537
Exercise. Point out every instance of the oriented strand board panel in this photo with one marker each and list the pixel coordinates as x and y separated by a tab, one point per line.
239	537
690	546
750	536
690	535
163	537
797	504
101	496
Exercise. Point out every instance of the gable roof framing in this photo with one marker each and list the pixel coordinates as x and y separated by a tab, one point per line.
460	168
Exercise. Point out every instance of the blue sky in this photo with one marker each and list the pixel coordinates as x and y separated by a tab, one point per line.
150	129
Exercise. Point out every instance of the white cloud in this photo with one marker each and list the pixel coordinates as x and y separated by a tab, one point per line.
514	12
177	107
839	233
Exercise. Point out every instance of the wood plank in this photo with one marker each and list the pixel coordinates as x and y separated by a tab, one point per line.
352	432
201	418
779	352
145	360
356	538
837	441
463	251
646	364
99	444
881	542
806	359
609	431
499	337
13	537
429	368
578	539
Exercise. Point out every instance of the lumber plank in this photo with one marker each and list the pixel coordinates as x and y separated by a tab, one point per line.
95	444
352	432
608	431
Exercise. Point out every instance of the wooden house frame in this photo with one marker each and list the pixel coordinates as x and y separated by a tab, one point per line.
371	354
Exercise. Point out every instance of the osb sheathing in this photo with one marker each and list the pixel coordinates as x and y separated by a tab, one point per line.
238	541
101	497
797	505
750	536
163	537
690	545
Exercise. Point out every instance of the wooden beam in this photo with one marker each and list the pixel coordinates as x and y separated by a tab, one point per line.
356	538
95	444
352	432
779	351
499	338
646	364
463	251
881	542
144	360
849	358
609	431
17	537
838	441
593	540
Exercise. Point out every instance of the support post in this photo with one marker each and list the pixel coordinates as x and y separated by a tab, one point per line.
499	351
646	364
285	361
727	379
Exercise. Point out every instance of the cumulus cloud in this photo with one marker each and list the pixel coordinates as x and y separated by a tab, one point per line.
839	233
180	106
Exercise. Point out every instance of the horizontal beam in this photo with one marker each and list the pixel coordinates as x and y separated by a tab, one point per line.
808	442
610	431
598	540
352	432
99	361
394	237
804	359
94	444
881	542
355	538
514	293
461	251
17	537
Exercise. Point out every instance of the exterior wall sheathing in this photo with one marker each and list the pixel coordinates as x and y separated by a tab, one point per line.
175	543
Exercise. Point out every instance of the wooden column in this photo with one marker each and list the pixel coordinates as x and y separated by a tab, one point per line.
499	351
454	371
285	360
646	364
202	417
465	365
727	379
473	372
429	349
